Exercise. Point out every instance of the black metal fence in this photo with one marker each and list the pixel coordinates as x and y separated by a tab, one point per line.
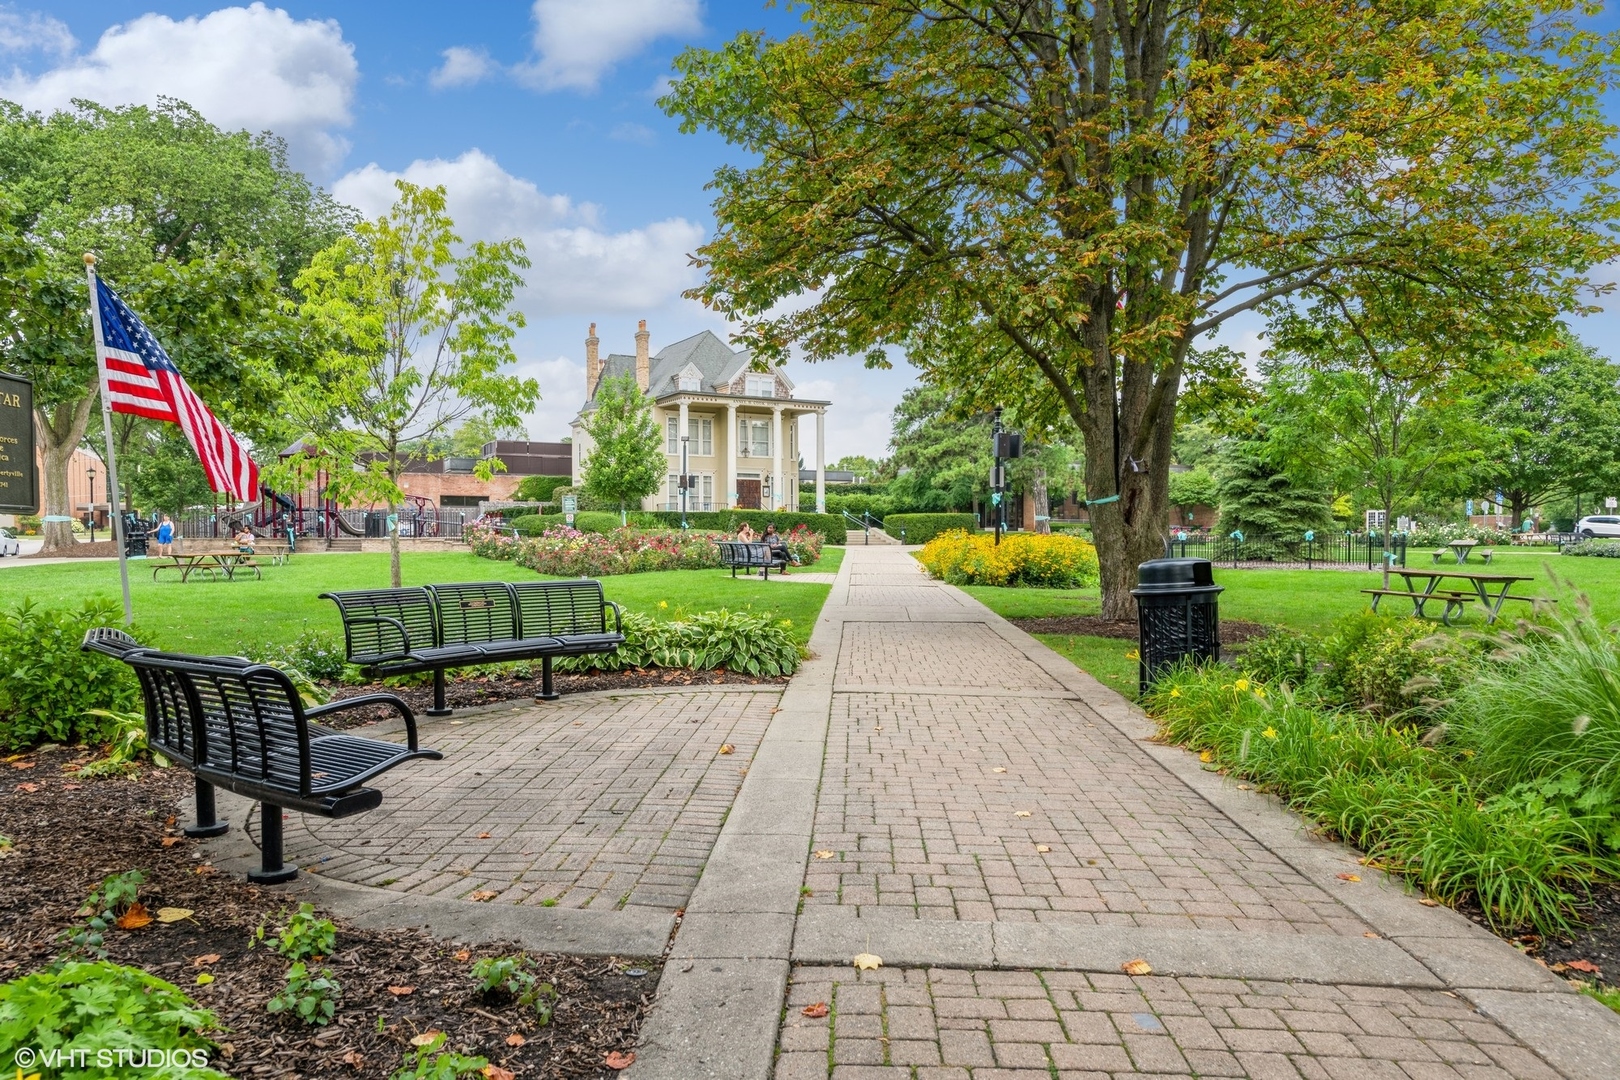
1343	550
319	524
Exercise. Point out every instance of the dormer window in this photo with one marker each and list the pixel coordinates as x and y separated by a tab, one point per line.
689	383
760	386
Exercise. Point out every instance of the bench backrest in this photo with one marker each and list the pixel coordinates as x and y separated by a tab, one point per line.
382	624
744	553
551	608
245	719
473	612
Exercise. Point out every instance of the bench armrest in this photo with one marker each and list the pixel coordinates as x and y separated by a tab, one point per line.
363	700
618	617
404	634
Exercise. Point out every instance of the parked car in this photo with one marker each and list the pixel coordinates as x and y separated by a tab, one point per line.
9	544
1599	525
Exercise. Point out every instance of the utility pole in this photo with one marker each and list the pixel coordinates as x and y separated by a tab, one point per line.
997	472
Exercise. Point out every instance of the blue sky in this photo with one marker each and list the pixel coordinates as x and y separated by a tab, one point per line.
538	117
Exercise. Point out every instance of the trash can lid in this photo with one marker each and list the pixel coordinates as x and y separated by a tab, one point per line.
1166	574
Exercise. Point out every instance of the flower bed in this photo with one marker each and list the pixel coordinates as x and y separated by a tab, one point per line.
570	553
1021	559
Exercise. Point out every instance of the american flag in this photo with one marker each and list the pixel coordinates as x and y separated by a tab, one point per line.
141	379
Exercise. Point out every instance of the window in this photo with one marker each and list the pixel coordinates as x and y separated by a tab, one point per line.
755	438
672	435
760	386
707	490
674	489
702	433
688	382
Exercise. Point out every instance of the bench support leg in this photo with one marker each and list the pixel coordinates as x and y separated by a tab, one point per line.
547	693
207	823
271	871
439	707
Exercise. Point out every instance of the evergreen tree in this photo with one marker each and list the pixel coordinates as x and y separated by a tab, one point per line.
1259	499
627	460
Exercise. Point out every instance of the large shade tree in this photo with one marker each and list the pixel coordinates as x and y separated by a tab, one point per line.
201	230
1046	203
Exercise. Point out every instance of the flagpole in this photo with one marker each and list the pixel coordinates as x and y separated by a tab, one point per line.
114	492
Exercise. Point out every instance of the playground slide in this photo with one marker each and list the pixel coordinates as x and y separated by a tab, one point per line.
344	526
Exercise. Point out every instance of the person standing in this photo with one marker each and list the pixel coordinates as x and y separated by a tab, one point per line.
165	536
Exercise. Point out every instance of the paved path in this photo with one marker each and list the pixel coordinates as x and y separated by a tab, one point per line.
940	789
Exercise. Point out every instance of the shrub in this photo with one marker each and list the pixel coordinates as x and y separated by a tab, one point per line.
509	977
1602	549
1388	664
830	526
314	654
89	1008
1281	656
1439	533
310	997
745	641
541	488
569	552
1021	559
921	528
50	690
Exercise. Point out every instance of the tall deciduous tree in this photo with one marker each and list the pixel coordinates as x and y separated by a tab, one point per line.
200	230
626	461
1048	202
414	338
941	452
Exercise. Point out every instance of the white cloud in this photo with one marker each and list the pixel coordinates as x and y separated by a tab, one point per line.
33	32
579	41
633	133
463	67
252	67
579	268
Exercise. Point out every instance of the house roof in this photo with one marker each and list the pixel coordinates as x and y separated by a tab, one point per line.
716	363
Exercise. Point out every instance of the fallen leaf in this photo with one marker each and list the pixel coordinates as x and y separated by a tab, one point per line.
401	991
1206	757
15	757
484	896
867	961
816	1011
170	841
204	979
1244	787
464	955
205	869
727	748
1583	965
515	1039
172	914
205	959
353	1058
135	918
1429	902
999	768
169	824
618	1060
1020	813
1136	967
825	854
1371	935
23	764
71	787
483	836
29	788
1348	877
1042	848
425	1038
495	1072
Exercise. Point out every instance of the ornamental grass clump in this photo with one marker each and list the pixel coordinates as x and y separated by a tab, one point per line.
1021	559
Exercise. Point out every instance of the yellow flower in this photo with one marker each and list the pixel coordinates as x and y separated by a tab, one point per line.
663	603
1175	691
1270	733
1260	692
1241	685
1133	655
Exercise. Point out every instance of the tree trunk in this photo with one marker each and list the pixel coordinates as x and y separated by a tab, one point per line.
393	544
61	429
1037	495
1520	503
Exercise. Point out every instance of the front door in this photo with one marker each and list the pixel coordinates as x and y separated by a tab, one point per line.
747	494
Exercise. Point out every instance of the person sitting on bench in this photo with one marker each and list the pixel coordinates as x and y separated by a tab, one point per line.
780	556
245	541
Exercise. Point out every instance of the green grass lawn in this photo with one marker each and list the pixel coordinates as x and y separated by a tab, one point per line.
203	616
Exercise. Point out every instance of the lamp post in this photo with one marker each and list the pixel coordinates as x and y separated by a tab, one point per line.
90	471
686	479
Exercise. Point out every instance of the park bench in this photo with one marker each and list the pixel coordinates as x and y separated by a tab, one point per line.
436	627
748	556
242	726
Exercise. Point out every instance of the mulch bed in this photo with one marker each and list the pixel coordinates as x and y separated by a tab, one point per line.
464	691
1596	941
69	833
1233	631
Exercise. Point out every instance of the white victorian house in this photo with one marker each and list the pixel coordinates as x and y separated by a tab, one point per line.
742	426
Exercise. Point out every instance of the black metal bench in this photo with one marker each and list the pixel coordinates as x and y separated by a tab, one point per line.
749	556
436	627
242	726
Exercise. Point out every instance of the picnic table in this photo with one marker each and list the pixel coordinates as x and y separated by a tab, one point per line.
1424	586
1460	549
208	563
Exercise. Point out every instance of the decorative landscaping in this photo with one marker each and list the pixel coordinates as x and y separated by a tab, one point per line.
1019	560
568	552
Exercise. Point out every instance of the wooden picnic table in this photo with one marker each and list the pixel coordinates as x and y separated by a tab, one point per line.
1423	586
192	562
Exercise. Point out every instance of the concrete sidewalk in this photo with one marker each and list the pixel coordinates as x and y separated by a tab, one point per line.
942	790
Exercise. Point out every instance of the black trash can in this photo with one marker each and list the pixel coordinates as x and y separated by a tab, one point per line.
1177	615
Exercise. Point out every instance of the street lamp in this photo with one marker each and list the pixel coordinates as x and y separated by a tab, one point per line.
90	471
686	479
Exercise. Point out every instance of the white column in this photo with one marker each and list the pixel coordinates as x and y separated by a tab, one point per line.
680	431
821	462
777	450
728	490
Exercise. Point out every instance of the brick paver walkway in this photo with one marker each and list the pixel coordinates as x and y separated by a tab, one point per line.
948	1024
598	801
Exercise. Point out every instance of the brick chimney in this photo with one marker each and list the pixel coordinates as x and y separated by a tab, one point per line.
643	361
593	363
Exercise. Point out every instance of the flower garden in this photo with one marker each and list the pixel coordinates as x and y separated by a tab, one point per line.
567	552
1020	560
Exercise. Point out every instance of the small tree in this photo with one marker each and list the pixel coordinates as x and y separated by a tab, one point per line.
413	340
627	461
1259	498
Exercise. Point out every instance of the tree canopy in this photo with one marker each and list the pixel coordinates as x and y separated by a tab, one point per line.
1046	203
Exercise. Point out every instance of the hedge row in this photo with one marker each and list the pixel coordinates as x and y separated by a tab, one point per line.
921	528
542	488
729	521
